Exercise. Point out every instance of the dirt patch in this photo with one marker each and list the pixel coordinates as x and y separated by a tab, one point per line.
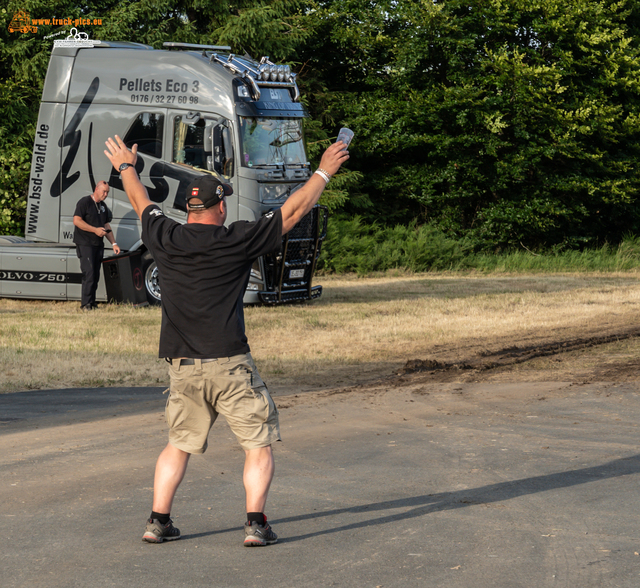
611	356
513	355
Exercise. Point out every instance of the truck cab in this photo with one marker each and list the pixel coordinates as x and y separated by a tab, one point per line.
191	110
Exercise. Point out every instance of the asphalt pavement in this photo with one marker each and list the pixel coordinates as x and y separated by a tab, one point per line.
430	485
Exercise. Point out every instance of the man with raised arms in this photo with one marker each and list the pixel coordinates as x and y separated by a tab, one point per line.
204	270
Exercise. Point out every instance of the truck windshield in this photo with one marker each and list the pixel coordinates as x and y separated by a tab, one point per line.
272	142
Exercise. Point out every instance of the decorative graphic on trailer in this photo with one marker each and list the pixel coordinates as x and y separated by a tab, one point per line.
71	141
71	138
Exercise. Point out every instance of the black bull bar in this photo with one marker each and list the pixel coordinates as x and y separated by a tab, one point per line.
289	273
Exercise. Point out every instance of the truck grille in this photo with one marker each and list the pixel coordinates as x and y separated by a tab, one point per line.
289	273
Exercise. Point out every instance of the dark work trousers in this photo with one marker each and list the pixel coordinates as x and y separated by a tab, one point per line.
91	266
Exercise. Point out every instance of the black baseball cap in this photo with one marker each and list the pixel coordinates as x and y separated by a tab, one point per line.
209	190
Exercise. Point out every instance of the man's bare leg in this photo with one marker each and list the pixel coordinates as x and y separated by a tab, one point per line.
259	467
170	469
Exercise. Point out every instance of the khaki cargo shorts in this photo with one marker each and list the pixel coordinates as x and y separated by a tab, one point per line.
230	386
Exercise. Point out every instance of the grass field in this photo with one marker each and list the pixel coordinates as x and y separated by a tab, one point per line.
362	328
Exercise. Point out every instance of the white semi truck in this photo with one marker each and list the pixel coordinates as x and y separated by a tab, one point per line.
192	110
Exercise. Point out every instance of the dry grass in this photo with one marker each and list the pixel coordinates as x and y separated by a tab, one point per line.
54	345
361	327
374	325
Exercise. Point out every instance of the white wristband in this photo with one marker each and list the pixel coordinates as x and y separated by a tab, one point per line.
323	175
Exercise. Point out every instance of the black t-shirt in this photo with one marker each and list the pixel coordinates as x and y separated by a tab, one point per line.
94	214
203	272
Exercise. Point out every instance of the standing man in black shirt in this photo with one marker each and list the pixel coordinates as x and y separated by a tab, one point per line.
91	220
204	269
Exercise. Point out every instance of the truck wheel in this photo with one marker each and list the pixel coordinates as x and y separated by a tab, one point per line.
151	283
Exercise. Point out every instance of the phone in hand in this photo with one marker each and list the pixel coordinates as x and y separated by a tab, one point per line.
345	135
107	230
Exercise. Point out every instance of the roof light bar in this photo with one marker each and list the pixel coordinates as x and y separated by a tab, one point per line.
268	71
262	74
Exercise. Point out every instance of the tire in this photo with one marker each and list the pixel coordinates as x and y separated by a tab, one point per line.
151	284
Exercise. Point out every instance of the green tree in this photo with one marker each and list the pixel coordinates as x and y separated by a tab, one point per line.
510	121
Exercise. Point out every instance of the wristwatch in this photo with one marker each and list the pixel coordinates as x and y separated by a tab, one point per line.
124	166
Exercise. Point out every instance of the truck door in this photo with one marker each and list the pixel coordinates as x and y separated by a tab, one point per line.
201	143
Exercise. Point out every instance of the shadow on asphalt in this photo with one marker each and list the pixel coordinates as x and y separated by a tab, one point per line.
429	503
26	410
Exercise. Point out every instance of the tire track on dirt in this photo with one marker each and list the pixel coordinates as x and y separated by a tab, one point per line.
516	354
474	360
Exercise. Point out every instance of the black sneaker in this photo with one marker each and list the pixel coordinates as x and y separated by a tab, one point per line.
256	535
156	532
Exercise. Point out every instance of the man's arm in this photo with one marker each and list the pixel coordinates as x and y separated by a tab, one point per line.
304	199
112	239
85	226
119	154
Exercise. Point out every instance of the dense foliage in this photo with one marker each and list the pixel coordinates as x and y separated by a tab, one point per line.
365	249
507	121
352	246
499	123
